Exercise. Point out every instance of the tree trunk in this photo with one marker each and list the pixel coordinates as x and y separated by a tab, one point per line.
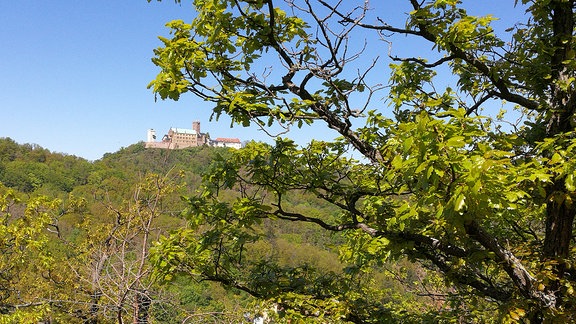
141	307
559	225
559	221
559	212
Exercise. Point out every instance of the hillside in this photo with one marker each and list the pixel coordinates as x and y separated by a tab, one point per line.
78	243
30	168
69	223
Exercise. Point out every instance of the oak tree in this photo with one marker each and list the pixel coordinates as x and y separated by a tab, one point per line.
465	166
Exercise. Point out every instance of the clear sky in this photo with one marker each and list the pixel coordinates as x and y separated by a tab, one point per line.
73	75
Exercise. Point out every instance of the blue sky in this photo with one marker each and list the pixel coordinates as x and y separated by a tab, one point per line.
73	75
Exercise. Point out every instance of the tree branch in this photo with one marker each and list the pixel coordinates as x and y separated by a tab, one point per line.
485	288
525	282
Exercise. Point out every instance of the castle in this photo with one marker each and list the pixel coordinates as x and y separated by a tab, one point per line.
179	138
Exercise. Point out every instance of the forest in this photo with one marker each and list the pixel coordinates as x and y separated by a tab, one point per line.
78	237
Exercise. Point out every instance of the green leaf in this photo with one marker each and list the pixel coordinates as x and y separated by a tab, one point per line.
460	202
456	142
569	182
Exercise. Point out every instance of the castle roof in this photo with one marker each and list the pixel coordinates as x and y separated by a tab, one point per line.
182	130
227	140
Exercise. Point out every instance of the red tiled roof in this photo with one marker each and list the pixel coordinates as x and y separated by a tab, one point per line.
227	140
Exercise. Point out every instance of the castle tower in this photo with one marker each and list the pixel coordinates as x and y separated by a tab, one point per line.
151	135
196	127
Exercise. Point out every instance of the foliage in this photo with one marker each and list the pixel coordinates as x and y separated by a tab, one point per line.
82	255
484	202
89	235
30	167
24	246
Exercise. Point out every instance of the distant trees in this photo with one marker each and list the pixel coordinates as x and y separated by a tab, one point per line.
85	257
481	198
30	167
80	254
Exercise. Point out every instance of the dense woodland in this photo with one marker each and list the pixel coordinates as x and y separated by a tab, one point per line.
76	239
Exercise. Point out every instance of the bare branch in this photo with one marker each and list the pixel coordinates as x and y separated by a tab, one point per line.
423	62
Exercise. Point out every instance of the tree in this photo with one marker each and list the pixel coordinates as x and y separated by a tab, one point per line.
31	282
481	197
110	260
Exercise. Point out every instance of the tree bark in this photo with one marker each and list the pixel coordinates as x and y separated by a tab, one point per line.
521	277
559	224
559	213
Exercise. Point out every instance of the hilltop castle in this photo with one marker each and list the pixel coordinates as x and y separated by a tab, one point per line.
179	138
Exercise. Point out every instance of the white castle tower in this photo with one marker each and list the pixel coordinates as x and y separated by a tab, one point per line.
151	135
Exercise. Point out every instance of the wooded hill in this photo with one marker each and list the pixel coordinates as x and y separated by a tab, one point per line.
77	246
